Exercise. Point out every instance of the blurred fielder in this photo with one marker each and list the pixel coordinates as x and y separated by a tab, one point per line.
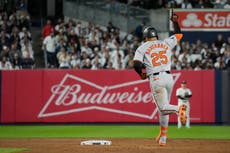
154	56
183	93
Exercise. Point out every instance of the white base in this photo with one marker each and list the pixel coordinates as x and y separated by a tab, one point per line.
96	142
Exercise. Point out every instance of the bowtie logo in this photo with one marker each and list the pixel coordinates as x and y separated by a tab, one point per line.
75	95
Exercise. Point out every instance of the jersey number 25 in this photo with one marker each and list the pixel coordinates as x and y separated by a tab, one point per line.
159	55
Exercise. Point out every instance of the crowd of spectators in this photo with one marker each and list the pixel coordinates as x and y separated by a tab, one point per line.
150	4
16	51
72	45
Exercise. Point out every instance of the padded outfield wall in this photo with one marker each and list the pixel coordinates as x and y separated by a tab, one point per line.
67	96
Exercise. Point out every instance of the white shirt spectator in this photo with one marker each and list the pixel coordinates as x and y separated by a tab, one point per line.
186	5
117	58
50	43
127	59
87	50
177	49
27	47
187	56
75	61
24	32
78	29
5	65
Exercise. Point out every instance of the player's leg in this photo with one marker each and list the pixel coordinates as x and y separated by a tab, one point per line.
188	116
178	118
166	91
161	99
181	108
160	96
163	121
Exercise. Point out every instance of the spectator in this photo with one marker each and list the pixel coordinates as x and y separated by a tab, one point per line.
14	51
47	29
5	64
87	64
5	52
75	61
197	65
110	27
73	40
63	59
24	33
26	48
127	62
117	57
227	59
14	37
27	62
185	55
219	41
219	4
208	4
96	63
49	45
105	57
61	36
200	4
69	26
24	21
61	43
186	4
139	31
228	41
5	39
16	62
78	29
60	25
227	5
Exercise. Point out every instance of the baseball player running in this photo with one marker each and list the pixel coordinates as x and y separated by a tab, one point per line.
183	93
154	56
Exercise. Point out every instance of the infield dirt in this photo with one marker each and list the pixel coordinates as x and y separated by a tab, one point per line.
72	145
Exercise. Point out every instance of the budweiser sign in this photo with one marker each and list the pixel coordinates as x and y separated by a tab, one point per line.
202	20
74	95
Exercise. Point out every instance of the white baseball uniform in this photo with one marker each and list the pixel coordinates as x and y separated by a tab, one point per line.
182	92
156	56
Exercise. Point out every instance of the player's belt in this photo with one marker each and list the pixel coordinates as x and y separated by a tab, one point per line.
157	73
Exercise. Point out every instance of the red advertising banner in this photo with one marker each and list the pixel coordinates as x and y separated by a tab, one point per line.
96	96
203	20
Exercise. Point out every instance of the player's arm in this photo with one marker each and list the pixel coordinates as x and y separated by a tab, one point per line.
138	63
177	31
188	94
179	95
138	66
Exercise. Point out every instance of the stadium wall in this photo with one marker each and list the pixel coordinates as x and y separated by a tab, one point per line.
222	97
67	96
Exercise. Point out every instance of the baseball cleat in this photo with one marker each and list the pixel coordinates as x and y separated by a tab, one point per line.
182	113
161	140
158	138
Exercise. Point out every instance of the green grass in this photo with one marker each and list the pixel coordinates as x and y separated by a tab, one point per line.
11	150
111	131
